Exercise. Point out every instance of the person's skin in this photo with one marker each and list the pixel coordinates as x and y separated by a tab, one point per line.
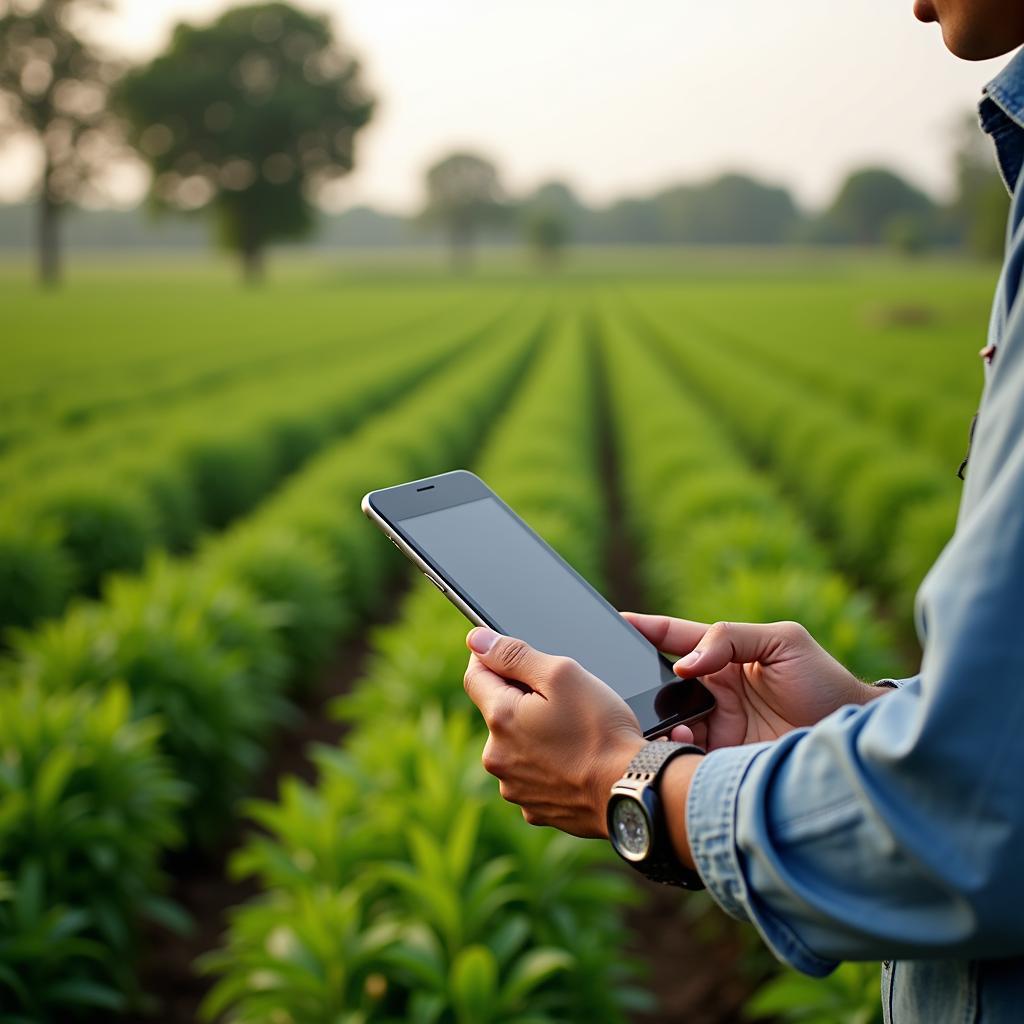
976	29
560	737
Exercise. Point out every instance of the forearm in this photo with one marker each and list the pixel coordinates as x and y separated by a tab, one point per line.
675	789
850	840
675	786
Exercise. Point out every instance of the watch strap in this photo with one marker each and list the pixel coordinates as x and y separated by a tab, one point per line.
650	760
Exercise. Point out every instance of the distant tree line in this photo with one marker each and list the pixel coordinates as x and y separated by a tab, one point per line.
246	118
873	206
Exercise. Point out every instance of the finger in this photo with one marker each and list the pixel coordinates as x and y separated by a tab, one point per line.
490	693
677	636
511	658
682	734
727	643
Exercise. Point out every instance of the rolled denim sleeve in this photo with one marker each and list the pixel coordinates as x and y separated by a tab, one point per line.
896	829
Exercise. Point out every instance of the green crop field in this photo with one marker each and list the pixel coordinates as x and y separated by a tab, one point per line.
190	597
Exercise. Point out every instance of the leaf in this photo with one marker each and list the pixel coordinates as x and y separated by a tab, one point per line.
9	978
169	914
426	1007
68	923
462	840
509	937
28	894
421	963
427	854
532	970
790	995
82	992
473	982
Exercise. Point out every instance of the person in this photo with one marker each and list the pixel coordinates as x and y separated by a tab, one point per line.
845	821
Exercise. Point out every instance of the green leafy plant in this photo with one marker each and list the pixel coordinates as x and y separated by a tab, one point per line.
35	572
87	804
297	577
103	530
856	480
847	996
192	647
738	551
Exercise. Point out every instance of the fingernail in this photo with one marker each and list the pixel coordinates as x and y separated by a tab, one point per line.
482	639
690	659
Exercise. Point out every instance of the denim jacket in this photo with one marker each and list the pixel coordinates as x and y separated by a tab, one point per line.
895	831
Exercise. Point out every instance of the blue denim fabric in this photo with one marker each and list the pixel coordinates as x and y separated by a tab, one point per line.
895	831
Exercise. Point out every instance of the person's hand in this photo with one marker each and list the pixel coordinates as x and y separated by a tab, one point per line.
767	679
559	739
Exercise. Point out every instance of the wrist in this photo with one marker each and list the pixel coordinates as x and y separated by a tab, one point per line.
867	692
674	791
613	766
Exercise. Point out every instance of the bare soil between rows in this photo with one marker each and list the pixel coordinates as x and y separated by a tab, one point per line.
695	978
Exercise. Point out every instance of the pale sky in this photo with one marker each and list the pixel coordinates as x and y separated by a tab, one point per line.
622	97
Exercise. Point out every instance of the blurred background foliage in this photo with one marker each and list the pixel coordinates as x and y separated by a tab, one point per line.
246	118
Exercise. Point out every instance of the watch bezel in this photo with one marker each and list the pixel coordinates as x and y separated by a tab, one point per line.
643	801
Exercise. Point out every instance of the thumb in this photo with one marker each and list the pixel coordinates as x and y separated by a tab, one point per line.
509	657
727	643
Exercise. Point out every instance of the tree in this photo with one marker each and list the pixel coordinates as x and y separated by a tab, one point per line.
732	209
633	220
907	234
547	231
550	216
248	117
464	194
982	202
55	86
869	200
559	198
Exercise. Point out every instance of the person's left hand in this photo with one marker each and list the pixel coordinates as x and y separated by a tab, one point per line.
559	739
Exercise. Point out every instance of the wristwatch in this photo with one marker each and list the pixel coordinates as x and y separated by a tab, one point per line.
636	820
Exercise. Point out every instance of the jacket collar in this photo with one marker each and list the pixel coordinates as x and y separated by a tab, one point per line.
1002	116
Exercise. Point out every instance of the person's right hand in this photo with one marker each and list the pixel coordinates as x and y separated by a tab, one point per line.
767	679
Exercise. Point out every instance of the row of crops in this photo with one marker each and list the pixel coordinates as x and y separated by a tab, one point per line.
154	476
182	552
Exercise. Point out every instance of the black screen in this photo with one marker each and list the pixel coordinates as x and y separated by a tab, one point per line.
520	587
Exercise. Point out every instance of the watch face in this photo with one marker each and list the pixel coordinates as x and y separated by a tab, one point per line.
631	832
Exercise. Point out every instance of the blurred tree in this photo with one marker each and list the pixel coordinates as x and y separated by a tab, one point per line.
53	85
908	233
559	197
982	203
248	117
730	209
871	198
630	221
464	194
550	216
547	231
